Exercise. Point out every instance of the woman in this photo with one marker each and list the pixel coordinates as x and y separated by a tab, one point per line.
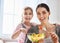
22	28
49	29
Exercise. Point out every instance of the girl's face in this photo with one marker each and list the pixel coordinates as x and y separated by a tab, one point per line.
28	14
42	14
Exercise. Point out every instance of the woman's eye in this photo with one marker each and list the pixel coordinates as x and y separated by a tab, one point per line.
44	12
38	13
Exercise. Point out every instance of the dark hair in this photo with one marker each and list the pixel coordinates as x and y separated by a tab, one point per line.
43	5
28	8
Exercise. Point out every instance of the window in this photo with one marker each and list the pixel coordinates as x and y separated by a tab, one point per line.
11	15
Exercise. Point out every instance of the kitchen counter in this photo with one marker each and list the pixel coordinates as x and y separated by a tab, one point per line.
7	40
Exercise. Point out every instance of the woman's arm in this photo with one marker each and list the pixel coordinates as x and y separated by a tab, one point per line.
54	37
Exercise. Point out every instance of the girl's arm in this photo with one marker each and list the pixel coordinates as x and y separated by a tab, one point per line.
16	34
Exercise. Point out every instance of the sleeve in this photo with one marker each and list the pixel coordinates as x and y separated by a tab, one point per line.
58	31
33	29
18	28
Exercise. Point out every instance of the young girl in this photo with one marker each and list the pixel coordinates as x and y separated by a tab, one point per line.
23	27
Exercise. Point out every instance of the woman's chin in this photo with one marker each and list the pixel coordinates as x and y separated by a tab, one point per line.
42	21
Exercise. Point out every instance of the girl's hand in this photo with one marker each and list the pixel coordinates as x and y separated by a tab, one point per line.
23	30
54	37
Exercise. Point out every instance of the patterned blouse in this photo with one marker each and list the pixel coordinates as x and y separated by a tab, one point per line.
21	37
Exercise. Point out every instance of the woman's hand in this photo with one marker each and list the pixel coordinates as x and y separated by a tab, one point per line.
54	37
41	41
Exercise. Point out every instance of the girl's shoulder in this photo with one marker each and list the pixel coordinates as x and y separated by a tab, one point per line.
19	25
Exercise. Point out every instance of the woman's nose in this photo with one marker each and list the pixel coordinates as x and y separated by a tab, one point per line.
41	15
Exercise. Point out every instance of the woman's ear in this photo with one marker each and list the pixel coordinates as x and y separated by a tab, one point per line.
49	13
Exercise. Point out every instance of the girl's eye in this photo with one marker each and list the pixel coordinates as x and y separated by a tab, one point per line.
30	13
25	14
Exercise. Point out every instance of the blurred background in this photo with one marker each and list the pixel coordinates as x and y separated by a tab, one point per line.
11	14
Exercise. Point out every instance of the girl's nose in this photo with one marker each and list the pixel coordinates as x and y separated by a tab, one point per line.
28	15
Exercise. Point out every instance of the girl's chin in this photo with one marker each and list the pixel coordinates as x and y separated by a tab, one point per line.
27	20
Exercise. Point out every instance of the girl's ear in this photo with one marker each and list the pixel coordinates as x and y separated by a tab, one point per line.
32	15
22	17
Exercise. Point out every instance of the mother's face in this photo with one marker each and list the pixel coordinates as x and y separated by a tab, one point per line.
42	14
